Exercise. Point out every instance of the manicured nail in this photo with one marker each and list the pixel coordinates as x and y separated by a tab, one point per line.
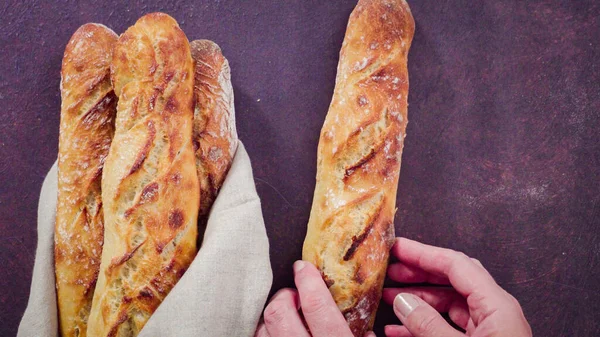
298	266
404	304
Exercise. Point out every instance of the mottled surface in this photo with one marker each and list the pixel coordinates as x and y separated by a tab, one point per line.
502	158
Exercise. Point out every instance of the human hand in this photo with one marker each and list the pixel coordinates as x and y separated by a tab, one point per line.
319	311
476	302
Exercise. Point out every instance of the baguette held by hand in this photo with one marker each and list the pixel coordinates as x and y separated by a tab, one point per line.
149	184
214	133
86	130
351	225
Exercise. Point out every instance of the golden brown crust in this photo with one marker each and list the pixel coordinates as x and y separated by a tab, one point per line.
86	130
351	228
149	185
214	136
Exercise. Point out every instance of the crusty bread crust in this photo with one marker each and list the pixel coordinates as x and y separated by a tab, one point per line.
351	228
214	135
149	185
86	130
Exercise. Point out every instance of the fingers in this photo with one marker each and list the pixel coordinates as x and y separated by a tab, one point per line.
468	276
370	334
318	307
477	262
420	318
282	317
441	299
464	274
397	331
402	273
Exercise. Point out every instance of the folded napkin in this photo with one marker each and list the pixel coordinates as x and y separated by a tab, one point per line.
221	294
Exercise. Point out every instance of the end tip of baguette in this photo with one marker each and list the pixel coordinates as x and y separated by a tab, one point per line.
205	45
89	29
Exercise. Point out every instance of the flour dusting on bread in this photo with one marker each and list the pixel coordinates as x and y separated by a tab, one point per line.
351	229
214	131
149	185
88	107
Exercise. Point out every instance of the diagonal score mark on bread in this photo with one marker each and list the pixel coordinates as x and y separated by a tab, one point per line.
149	186
351	230
88	107
361	145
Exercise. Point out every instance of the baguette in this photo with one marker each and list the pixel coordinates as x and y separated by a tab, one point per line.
214	135
149	185
351	225
86	130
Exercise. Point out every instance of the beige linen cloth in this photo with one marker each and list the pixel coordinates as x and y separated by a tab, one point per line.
221	294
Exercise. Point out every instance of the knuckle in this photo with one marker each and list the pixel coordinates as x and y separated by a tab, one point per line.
454	256
313	303
476	300
425	325
508	297
275	312
460	256
284	293
456	260
514	301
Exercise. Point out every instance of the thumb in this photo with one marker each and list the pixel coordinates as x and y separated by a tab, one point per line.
420	318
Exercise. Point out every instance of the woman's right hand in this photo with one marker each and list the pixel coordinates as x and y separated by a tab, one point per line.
475	302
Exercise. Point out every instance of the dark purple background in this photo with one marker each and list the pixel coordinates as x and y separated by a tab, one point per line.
502	158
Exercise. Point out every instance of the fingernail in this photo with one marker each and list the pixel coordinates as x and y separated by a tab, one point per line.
298	266
404	304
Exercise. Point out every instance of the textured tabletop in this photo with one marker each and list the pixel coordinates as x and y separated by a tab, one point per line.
502	158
